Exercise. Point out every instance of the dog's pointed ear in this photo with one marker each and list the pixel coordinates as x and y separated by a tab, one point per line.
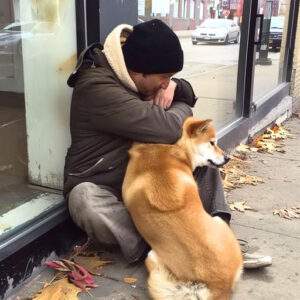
198	127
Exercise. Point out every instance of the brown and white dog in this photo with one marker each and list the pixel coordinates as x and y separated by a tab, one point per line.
194	255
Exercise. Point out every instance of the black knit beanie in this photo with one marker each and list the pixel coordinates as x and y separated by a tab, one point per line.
153	48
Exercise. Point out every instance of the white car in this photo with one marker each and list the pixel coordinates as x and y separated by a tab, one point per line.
216	31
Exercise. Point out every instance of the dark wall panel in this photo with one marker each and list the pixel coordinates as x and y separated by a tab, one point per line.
115	12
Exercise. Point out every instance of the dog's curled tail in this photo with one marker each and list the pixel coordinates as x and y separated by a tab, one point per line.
162	285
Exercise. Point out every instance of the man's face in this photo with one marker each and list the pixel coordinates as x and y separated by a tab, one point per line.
149	84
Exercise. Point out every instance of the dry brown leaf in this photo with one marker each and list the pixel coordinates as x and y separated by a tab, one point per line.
270	140
228	185
278	133
234	175
253	180
265	146
91	263
239	206
129	279
288	213
60	290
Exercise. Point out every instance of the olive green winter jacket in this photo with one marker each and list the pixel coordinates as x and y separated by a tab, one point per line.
108	114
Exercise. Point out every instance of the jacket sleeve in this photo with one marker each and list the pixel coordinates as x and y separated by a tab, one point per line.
114	110
184	92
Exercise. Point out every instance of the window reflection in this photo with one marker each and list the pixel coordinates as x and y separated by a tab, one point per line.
209	32
37	53
13	150
270	55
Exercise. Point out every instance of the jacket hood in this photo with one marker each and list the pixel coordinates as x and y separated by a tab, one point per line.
114	54
85	56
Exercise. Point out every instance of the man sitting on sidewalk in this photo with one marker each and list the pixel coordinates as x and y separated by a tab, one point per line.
124	93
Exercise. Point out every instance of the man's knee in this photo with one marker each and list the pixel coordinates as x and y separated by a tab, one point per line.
78	201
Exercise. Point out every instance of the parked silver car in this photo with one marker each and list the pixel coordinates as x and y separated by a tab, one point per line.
216	31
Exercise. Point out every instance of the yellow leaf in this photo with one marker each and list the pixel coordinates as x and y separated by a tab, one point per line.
279	132
130	279
264	145
250	180
91	263
242	148
60	290
240	206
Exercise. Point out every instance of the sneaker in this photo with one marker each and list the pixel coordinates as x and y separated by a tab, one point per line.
253	261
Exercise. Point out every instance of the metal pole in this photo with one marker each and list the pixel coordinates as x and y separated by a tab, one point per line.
263	58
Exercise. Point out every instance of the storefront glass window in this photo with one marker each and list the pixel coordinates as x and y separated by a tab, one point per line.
209	32
37	52
270	55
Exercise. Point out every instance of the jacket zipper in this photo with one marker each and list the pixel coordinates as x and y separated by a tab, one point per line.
89	169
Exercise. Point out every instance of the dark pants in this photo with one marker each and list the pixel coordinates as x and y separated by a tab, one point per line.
99	212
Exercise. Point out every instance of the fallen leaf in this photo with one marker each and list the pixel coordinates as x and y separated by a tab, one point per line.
129	279
275	128
242	148
239	206
92	263
234	175
63	265
278	132
264	145
288	213
76	273
270	140
248	179
59	290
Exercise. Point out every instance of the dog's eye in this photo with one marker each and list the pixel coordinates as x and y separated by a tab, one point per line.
212	143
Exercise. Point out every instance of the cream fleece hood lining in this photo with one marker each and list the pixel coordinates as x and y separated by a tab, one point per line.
114	55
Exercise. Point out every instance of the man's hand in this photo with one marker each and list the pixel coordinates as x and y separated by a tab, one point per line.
164	97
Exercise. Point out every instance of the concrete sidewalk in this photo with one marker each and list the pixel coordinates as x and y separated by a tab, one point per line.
266	233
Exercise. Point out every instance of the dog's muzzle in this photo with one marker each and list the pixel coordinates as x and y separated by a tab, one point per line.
226	160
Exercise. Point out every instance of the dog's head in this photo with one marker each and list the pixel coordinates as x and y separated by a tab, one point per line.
200	142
